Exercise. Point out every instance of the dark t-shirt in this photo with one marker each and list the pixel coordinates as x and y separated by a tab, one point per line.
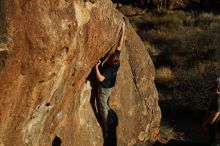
215	103
110	73
215	106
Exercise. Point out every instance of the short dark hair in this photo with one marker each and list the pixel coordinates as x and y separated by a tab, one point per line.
114	58
215	85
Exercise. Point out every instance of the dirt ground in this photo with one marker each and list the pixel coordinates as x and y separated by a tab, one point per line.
181	127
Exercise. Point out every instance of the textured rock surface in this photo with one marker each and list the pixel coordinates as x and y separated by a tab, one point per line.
48	49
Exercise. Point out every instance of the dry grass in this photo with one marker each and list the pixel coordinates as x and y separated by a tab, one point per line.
205	20
151	49
3	47
164	74
165	4
185	48
167	133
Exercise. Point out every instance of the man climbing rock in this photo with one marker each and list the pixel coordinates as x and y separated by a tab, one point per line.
106	74
214	110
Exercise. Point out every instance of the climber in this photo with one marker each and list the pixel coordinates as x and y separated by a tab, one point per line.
106	74
213	110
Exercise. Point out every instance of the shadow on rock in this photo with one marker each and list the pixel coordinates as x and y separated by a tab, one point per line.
111	139
57	141
94	96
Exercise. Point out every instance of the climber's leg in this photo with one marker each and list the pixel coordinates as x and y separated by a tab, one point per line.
104	94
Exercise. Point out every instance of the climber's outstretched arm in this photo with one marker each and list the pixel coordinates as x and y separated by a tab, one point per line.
121	39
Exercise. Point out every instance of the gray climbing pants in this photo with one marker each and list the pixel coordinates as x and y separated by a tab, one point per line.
104	94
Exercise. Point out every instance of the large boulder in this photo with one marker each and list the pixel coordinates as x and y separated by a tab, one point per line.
48	49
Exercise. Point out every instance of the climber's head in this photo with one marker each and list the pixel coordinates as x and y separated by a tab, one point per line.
114	58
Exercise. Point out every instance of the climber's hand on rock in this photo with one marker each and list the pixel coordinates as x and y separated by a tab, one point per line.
99	62
123	26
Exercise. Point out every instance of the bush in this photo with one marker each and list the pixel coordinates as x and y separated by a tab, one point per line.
187	53
205	20
164	74
167	4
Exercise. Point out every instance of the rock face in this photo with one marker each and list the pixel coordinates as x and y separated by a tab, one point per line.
48	49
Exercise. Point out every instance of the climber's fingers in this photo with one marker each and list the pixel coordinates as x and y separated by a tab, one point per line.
99	62
122	23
